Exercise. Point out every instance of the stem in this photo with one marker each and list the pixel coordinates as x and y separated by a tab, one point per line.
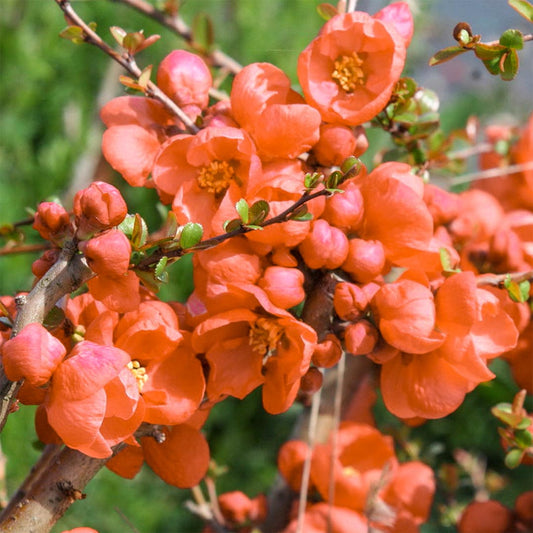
178	26
492	173
499	280
24	249
147	263
127	62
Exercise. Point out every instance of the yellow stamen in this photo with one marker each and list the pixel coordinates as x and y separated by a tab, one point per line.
265	335
216	177
350	471
139	373
348	72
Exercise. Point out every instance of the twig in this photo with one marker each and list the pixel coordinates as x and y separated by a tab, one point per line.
178	26
128	62
55	486
148	262
499	280
492	173
23	249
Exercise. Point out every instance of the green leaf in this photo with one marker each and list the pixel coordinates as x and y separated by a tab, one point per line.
487	52
428	101
312	180
232	225
54	318
446	54
523	7
510	65
517	292
512	39
159	272
258	212
301	214
191	235
203	32
243	210
513	458
139	233
118	34
334	180
74	34
326	11
523	438
446	260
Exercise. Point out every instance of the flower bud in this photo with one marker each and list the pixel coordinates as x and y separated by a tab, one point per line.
284	286
335	144
328	352
345	211
185	78
324	247
361	338
100	206
108	253
349	301
365	261
52	222
41	265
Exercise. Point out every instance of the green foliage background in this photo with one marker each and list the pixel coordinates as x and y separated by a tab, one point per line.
47	105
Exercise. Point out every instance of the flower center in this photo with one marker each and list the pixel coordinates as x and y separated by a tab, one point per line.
348	73
216	177
265	335
139	372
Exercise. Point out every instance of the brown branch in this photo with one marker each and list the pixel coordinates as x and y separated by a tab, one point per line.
178	26
59	481
500	279
127	61
66	275
148	262
23	249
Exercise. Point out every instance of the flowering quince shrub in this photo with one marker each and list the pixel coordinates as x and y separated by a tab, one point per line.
306	265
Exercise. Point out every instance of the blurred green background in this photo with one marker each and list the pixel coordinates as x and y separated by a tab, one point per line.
49	130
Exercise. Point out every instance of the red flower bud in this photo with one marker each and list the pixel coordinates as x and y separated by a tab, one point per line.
52	222
98	207
185	78
361	338
336	143
284	286
108	253
365	261
324	247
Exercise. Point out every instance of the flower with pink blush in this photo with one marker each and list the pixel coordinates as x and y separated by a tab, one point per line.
98	207
185	78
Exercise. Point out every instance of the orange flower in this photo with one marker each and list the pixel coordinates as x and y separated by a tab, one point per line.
206	174
349	71
404	312
278	119
93	400
34	355
395	212
433	384
322	517
136	129
246	348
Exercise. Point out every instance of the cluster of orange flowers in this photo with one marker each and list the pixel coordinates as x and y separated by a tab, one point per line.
122	357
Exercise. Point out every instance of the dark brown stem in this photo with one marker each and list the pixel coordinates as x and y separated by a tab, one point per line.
147	263
178	26
128	62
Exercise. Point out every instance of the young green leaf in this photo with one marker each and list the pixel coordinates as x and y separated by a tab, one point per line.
258	212
523	7
191	234
446	54
242	208
160	273
512	39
